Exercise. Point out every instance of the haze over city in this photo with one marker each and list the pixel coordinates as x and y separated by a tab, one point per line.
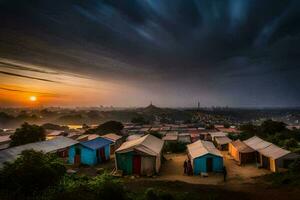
128	53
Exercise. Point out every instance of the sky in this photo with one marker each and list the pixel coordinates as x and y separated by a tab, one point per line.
238	53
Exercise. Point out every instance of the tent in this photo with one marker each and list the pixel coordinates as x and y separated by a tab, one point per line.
90	152
241	152
270	156
205	157
274	157
141	156
212	135
59	145
222	142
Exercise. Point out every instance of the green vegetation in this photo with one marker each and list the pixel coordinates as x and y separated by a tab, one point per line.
108	127
272	131
140	120
291	177
27	134
30	174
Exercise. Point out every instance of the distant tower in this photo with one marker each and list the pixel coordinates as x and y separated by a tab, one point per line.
199	105
150	103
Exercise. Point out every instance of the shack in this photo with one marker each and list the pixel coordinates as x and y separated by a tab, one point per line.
222	142
241	152
90	152
205	157
59	145
141	156
116	139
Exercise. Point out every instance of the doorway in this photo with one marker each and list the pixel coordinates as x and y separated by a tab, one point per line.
101	155
136	164
265	162
209	164
77	159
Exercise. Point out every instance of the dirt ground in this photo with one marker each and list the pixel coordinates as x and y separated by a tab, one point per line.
172	169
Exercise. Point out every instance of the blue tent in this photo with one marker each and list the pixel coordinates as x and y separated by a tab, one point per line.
90	152
205	157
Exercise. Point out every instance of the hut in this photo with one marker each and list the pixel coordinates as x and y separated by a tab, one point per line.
212	135
141	156
222	142
90	152
59	145
241	152
170	138
270	156
116	139
205	157
274	158
184	138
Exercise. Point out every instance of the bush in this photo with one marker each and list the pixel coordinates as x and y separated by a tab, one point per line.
31	173
152	194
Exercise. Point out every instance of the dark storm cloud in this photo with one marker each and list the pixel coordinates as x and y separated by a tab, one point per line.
231	50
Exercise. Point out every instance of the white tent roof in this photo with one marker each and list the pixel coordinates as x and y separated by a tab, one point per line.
148	144
274	152
257	143
200	148
47	146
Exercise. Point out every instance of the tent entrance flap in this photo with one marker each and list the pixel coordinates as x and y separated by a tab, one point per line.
209	164
136	164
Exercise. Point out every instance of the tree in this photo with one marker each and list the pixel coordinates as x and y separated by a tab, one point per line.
31	173
27	134
139	120
108	127
290	143
271	127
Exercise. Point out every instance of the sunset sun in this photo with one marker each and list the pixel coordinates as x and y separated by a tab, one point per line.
32	98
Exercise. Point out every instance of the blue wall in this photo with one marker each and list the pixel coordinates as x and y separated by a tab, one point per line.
88	156
200	163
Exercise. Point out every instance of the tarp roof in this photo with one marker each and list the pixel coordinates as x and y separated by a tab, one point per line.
96	143
257	143
273	152
242	147
217	134
170	137
223	140
148	144
5	138
201	148
134	137
47	146
111	136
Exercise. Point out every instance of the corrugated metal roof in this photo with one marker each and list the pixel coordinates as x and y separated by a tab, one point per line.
48	146
111	136
257	143
96	143
201	148
242	147
273	151
148	144
223	140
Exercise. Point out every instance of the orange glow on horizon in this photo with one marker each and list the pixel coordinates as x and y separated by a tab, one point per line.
32	98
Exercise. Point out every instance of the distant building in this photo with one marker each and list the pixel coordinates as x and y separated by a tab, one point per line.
4	141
